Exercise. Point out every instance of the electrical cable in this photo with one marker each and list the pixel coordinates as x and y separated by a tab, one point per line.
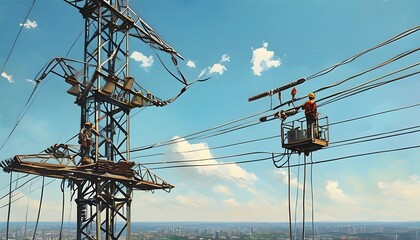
368	87
215	164
373	139
19	186
15	181
62	209
283	155
17	36
350	59
211	158
355	140
312	201
68	222
33	91
289	199
207	135
346	61
330	124
286	153
266	138
229	130
24	110
375	114
361	155
262	159
15	200
303	197
39	208
213	148
370	81
27	212
180	139
30	100
9	206
297	197
393	59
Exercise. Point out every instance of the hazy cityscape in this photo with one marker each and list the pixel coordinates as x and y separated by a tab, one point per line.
228	230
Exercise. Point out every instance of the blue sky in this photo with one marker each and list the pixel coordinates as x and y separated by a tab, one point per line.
247	47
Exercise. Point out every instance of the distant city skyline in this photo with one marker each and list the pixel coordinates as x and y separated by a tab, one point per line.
195	230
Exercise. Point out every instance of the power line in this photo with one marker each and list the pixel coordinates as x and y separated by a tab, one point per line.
213	148
16	188
361	86
331	68
17	36
393	59
277	155
189	136
39	207
32	97
276	136
375	114
368	87
16	180
217	164
379	136
350	59
24	111
46	184
210	158
360	155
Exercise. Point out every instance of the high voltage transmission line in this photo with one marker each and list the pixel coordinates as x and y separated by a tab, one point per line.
278	155
323	101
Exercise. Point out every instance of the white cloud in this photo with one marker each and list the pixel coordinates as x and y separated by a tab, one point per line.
9	78
145	61
29	24
191	64
387	200
285	179
401	190
31	81
231	203
182	150
202	73
262	60
222	189
194	200
225	58
217	68
336	194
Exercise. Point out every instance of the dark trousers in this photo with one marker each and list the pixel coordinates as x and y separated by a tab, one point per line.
311	127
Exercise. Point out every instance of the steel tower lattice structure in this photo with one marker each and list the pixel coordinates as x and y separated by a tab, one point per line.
105	93
108	26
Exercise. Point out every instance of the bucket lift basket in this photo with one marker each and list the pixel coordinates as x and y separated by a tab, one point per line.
296	137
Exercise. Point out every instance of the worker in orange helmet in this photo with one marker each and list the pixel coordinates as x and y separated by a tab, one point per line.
311	115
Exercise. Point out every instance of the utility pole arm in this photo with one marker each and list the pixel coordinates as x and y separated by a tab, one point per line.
276	90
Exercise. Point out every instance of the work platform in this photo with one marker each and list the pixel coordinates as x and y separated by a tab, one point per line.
296	137
64	167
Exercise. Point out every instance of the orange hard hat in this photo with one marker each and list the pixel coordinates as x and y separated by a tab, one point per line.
311	95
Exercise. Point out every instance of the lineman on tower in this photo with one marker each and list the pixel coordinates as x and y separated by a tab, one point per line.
86	141
311	115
